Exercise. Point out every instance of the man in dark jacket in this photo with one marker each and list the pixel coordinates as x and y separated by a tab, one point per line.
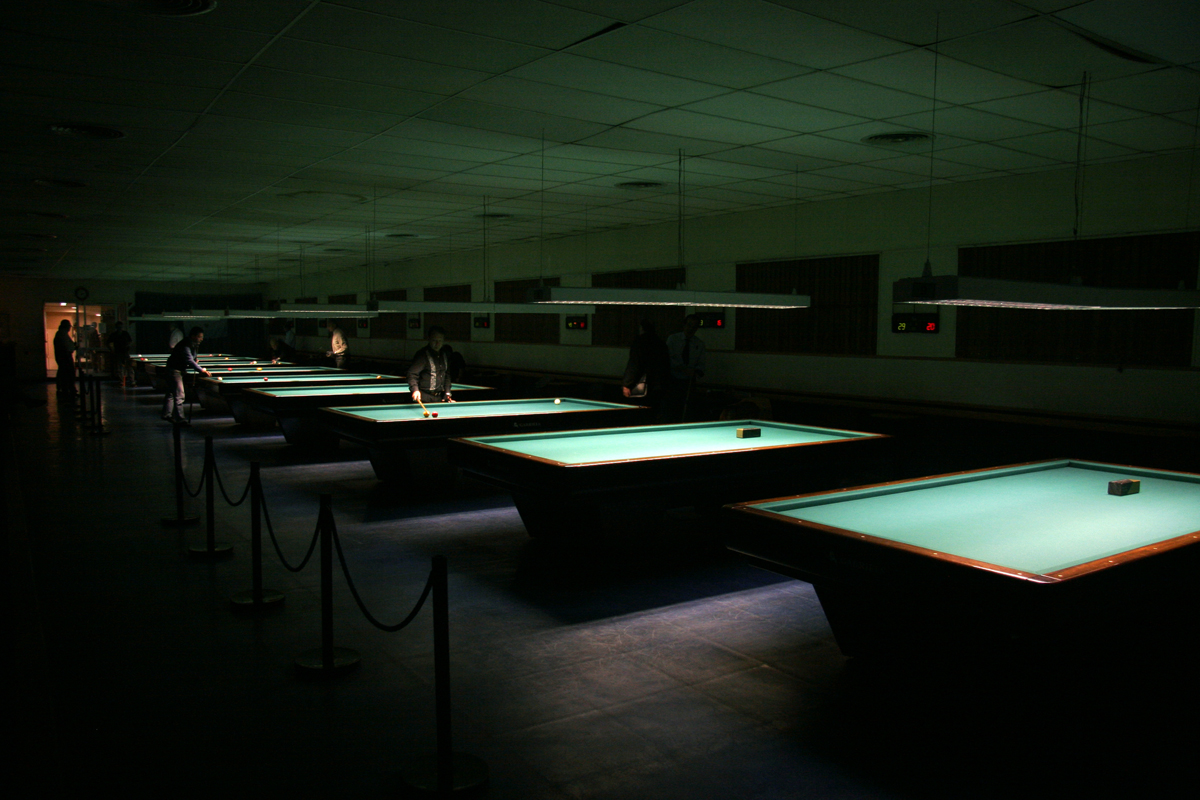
181	359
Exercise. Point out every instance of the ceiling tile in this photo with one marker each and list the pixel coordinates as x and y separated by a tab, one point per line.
563	69
672	54
993	157
271	109
1147	134
1168	29
919	22
653	142
558	100
547	25
1039	51
957	81
338	25
264	82
793	117
468	113
348	63
717	129
828	90
1163	91
770	30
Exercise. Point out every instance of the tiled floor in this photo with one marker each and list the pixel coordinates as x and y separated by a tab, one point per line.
658	666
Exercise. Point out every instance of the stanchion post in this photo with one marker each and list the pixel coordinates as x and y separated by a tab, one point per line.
82	377
179	519
327	659
96	382
326	585
210	497
257	597
454	773
98	406
256	584
211	548
441	675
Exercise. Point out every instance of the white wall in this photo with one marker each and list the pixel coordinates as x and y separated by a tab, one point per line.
1140	196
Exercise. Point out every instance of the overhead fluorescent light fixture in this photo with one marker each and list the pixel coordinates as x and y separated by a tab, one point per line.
195	313
439	307
253	313
666	297
326	310
953	290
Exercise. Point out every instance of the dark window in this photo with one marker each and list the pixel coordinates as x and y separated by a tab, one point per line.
616	326
306	326
1143	338
349	326
457	325
841	321
529	328
390	326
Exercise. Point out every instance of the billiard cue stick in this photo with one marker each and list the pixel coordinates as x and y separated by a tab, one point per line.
422	405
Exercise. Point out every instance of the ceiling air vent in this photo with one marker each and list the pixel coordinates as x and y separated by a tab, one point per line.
897	137
81	131
55	183
170	8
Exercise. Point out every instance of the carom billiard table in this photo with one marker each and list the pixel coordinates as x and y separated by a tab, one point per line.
391	432
575	482
1029	553
222	391
149	370
295	407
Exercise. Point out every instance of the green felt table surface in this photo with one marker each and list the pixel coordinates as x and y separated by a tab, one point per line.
250	376
660	441
165	356
352	389
214	360
476	408
1034	518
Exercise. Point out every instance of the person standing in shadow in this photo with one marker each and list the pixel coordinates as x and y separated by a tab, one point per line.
646	371
687	353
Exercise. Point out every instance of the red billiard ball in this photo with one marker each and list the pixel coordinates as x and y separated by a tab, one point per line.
435	413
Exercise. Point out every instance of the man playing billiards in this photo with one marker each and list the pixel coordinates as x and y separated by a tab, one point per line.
429	373
181	359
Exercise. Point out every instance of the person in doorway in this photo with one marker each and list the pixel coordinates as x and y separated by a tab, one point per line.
175	338
64	359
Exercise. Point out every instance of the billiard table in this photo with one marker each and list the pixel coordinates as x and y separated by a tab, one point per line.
575	482
222	392
1008	556
295	407
149	369
391	432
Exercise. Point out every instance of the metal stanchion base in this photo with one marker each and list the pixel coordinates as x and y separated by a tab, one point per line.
313	661
244	601
219	550
179	522
470	774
